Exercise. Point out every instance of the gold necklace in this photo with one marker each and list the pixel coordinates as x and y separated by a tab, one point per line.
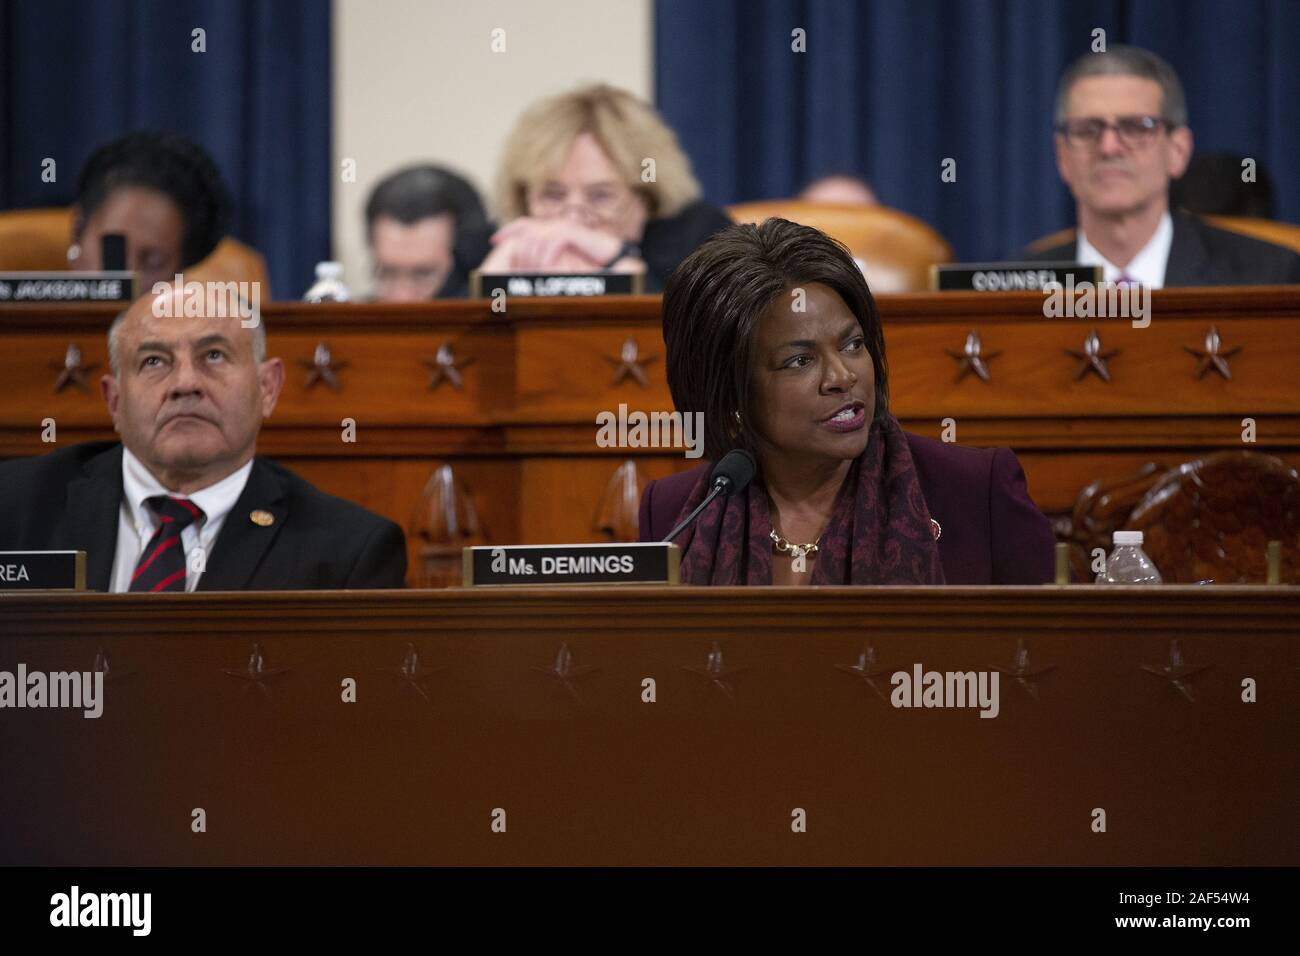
798	552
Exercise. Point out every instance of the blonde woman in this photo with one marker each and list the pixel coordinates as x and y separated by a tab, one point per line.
593	180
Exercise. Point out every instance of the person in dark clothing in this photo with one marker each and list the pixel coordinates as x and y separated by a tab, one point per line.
1224	184
162	192
427	229
1122	136
183	502
774	338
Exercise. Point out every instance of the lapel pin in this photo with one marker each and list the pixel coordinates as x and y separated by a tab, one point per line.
935	529
263	519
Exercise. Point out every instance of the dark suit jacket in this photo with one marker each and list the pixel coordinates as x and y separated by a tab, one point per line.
992	532
667	242
1201	254
70	499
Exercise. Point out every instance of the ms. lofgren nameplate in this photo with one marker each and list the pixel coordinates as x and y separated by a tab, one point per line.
551	564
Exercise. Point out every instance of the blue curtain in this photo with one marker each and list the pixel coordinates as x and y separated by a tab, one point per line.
889	89
75	73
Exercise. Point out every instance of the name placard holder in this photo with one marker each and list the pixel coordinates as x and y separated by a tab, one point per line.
547	565
42	570
530	284
25	287
1009	276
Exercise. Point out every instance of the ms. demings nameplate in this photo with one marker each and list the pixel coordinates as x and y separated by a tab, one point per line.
541	284
42	570
66	286
548	564
1009	276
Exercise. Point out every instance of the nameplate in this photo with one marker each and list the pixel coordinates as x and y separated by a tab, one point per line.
42	570
66	286
553	284
1009	276
544	565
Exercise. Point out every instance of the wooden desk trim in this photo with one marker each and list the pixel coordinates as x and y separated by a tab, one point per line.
1213	610
1222	304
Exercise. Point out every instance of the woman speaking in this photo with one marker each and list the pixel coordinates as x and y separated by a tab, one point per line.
772	333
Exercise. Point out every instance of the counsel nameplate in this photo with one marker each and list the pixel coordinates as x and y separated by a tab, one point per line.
551	284
66	286
42	570
550	564
1009	276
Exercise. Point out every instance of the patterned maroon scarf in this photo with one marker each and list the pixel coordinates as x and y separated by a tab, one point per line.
879	532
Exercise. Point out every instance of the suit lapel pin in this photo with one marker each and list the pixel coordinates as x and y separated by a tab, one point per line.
263	519
935	529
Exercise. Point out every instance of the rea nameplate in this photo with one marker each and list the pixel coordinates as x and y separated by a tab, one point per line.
549	564
552	284
42	570
66	286
1009	276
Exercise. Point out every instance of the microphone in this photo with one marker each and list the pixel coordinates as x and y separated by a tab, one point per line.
112	252
731	474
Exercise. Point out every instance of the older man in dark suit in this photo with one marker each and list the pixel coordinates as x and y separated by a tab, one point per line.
183	503
1121	137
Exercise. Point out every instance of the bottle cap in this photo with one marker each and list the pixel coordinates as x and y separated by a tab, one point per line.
329	270
1128	537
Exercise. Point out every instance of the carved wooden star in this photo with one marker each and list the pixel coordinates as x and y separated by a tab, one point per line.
111	674
972	358
323	368
1092	358
72	371
866	669
445	367
630	363
1214	357
257	673
564	671
716	672
1176	671
1023	673
413	673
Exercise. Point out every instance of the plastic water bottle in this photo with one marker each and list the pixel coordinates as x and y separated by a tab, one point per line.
328	286
1128	563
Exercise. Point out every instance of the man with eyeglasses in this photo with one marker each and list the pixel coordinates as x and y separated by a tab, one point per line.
427	230
1121	137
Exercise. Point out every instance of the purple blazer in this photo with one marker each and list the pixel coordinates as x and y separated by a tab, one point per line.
992	532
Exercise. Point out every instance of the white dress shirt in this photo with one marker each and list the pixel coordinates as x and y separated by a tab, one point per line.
137	522
1148	266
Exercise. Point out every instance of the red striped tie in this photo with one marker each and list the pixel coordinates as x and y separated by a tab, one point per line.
162	566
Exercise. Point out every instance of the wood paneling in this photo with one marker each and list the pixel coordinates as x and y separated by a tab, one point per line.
521	431
587	772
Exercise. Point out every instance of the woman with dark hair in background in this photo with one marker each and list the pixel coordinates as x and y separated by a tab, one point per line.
773	334
162	192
